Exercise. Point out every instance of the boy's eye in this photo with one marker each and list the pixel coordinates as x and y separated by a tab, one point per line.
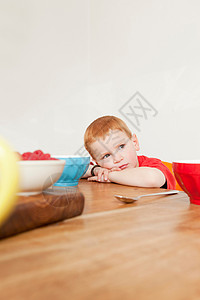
121	146
105	156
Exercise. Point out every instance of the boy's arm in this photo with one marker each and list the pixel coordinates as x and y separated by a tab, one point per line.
140	176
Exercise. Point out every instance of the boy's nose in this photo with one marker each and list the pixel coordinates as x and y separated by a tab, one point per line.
117	158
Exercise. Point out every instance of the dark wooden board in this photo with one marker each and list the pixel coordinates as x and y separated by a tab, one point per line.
43	209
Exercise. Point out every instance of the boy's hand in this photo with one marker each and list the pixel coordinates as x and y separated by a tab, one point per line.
102	174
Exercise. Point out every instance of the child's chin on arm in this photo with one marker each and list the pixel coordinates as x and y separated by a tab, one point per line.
142	177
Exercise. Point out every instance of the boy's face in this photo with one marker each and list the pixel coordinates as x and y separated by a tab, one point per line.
116	150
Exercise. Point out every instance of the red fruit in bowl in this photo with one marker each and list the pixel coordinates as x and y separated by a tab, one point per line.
46	156
26	155
33	156
39	153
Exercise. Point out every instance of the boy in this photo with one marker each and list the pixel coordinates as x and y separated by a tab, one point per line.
113	147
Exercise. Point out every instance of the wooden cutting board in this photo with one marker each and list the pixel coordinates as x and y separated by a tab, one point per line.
51	206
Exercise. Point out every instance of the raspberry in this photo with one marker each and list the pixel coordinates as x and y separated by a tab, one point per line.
26	155
46	156
33	156
37	155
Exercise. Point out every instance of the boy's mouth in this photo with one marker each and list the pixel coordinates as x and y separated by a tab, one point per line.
123	166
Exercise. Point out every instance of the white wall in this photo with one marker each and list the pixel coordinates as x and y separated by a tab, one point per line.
44	73
151	47
64	63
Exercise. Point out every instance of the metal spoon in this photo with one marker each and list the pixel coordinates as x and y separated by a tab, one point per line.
125	199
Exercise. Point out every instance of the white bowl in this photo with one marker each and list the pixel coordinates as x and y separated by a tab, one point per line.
38	175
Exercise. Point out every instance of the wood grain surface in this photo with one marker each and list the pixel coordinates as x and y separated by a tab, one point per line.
146	250
100	197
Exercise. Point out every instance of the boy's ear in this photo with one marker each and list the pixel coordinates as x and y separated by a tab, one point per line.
136	142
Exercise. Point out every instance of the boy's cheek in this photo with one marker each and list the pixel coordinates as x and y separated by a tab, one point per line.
107	166
101	164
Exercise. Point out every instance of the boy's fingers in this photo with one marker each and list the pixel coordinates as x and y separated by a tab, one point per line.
99	175
93	178
102	176
106	175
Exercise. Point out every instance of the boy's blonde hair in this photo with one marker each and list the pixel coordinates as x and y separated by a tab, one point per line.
100	127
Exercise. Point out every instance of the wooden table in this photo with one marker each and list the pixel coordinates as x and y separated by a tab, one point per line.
146	250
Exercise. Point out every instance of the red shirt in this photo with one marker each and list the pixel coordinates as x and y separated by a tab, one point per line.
145	161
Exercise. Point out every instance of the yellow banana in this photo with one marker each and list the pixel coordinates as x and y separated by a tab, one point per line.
9	179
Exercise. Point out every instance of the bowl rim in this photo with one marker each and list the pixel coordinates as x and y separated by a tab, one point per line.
187	161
